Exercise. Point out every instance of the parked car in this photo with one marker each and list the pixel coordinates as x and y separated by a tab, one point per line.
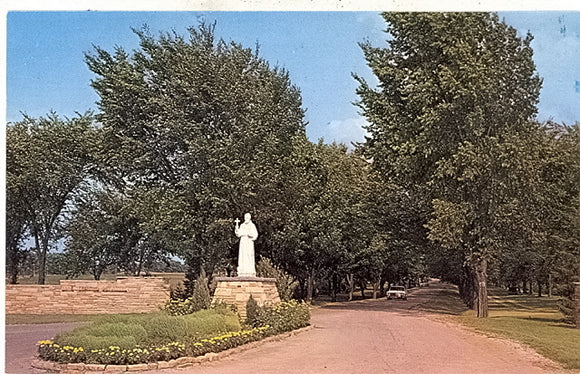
397	292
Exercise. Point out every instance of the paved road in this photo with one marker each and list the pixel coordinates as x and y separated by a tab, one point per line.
21	344
370	336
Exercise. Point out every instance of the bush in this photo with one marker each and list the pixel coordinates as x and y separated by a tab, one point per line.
252	312
160	337
200	299
286	316
285	282
154	328
102	335
568	308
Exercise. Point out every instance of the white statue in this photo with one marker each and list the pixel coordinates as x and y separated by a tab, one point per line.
247	233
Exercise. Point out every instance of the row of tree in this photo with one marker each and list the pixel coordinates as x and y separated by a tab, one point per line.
456	178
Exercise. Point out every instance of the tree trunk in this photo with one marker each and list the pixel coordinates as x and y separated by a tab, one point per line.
382	286
550	285
350	281
467	287
525	287
310	286
539	288
13	262
41	249
375	288
362	286
334	284
481	277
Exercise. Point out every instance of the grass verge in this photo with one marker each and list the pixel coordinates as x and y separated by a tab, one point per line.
37	319
528	319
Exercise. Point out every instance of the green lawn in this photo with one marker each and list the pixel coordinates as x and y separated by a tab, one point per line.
528	319
35	319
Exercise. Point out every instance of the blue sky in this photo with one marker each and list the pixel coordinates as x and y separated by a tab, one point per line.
46	70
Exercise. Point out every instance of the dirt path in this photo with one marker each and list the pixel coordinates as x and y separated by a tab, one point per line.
381	336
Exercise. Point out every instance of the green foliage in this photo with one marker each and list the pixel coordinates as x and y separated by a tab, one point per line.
286	316
200	299
115	355
451	123
568	308
323	183
200	128
179	307
105	231
285	283
150	329
48	160
252	311
160	337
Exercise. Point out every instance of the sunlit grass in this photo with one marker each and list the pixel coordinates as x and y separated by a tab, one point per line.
37	319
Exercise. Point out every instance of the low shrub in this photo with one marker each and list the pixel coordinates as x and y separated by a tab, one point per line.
153	328
252	311
286	316
568	308
285	283
161	337
199	300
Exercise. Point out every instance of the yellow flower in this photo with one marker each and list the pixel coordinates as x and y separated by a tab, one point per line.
45	342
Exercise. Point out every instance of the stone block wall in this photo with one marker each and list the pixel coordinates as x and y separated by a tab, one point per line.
237	291
125	295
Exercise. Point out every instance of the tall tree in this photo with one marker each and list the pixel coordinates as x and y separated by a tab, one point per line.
16	224
47	160
454	90
201	127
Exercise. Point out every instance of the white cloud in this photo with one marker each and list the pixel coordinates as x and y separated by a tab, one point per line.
345	131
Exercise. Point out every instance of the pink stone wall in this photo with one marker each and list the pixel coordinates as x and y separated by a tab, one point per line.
125	295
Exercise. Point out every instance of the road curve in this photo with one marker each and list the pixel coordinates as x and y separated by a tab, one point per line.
381	336
21	341
369	336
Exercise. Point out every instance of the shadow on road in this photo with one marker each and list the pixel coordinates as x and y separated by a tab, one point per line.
439	298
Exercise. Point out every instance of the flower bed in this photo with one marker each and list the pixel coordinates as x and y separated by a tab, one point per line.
284	317
113	355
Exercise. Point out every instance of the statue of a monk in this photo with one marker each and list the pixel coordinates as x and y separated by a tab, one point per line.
246	259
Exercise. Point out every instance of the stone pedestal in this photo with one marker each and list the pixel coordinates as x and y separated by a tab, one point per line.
237	291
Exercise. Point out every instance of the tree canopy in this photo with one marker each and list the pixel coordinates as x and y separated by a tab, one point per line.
456	100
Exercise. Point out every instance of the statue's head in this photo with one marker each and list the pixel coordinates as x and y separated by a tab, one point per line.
247	217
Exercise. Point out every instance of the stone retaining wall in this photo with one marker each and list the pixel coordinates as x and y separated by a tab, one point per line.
124	295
